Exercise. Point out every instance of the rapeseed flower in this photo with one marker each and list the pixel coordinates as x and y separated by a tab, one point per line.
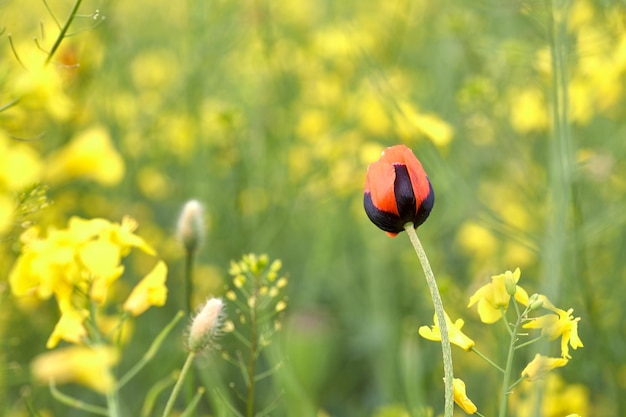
151	291
493	298
88	366
457	337
461	398
21	167
40	87
76	265
541	365
89	155
561	324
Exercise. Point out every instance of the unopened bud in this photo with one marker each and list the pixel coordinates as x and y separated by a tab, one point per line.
190	228
534	302
510	285
206	325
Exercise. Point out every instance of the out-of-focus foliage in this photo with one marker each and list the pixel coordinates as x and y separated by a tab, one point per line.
268	113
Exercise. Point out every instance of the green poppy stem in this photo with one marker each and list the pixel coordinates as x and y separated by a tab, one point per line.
186	367
443	327
189	264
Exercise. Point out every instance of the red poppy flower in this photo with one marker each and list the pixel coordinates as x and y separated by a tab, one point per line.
397	191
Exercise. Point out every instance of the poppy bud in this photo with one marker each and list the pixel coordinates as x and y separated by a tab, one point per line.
397	191
190	228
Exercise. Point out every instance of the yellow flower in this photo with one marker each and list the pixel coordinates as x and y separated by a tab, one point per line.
40	86
21	167
410	122
461	398
20	164
151	291
88	366
562	324
69	327
6	212
457	337
528	111
90	155
76	265
541	365
493	297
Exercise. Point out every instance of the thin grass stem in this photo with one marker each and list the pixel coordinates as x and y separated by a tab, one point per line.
63	31
76	403
154	347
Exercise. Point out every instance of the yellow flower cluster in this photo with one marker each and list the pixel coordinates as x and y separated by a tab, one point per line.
21	167
88	366
493	300
78	266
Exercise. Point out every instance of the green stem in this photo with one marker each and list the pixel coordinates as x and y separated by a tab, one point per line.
76	403
63	32
253	351
113	403
188	281
530	342
506	380
441	318
513	385
154	347
486	359
154	392
189	258
179	383
191	408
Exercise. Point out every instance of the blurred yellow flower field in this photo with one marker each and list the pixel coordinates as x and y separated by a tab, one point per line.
152	153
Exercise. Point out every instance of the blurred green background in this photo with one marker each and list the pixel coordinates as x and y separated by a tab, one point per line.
269	112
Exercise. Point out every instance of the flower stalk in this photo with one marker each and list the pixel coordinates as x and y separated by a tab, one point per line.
63	32
253	352
439	311
179	383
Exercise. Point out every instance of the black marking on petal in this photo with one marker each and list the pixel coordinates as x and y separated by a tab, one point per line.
386	221
426	206
403	191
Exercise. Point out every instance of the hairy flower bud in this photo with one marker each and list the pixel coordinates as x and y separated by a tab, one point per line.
190	229
206	325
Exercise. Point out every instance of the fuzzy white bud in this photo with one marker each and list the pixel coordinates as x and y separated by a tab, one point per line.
206	325
190	229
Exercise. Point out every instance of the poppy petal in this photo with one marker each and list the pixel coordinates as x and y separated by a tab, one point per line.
380	183
383	219
397	191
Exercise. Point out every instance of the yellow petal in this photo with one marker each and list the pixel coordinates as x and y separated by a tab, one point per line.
488	314
541	365
461	398
151	291
90	155
88	366
69	328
